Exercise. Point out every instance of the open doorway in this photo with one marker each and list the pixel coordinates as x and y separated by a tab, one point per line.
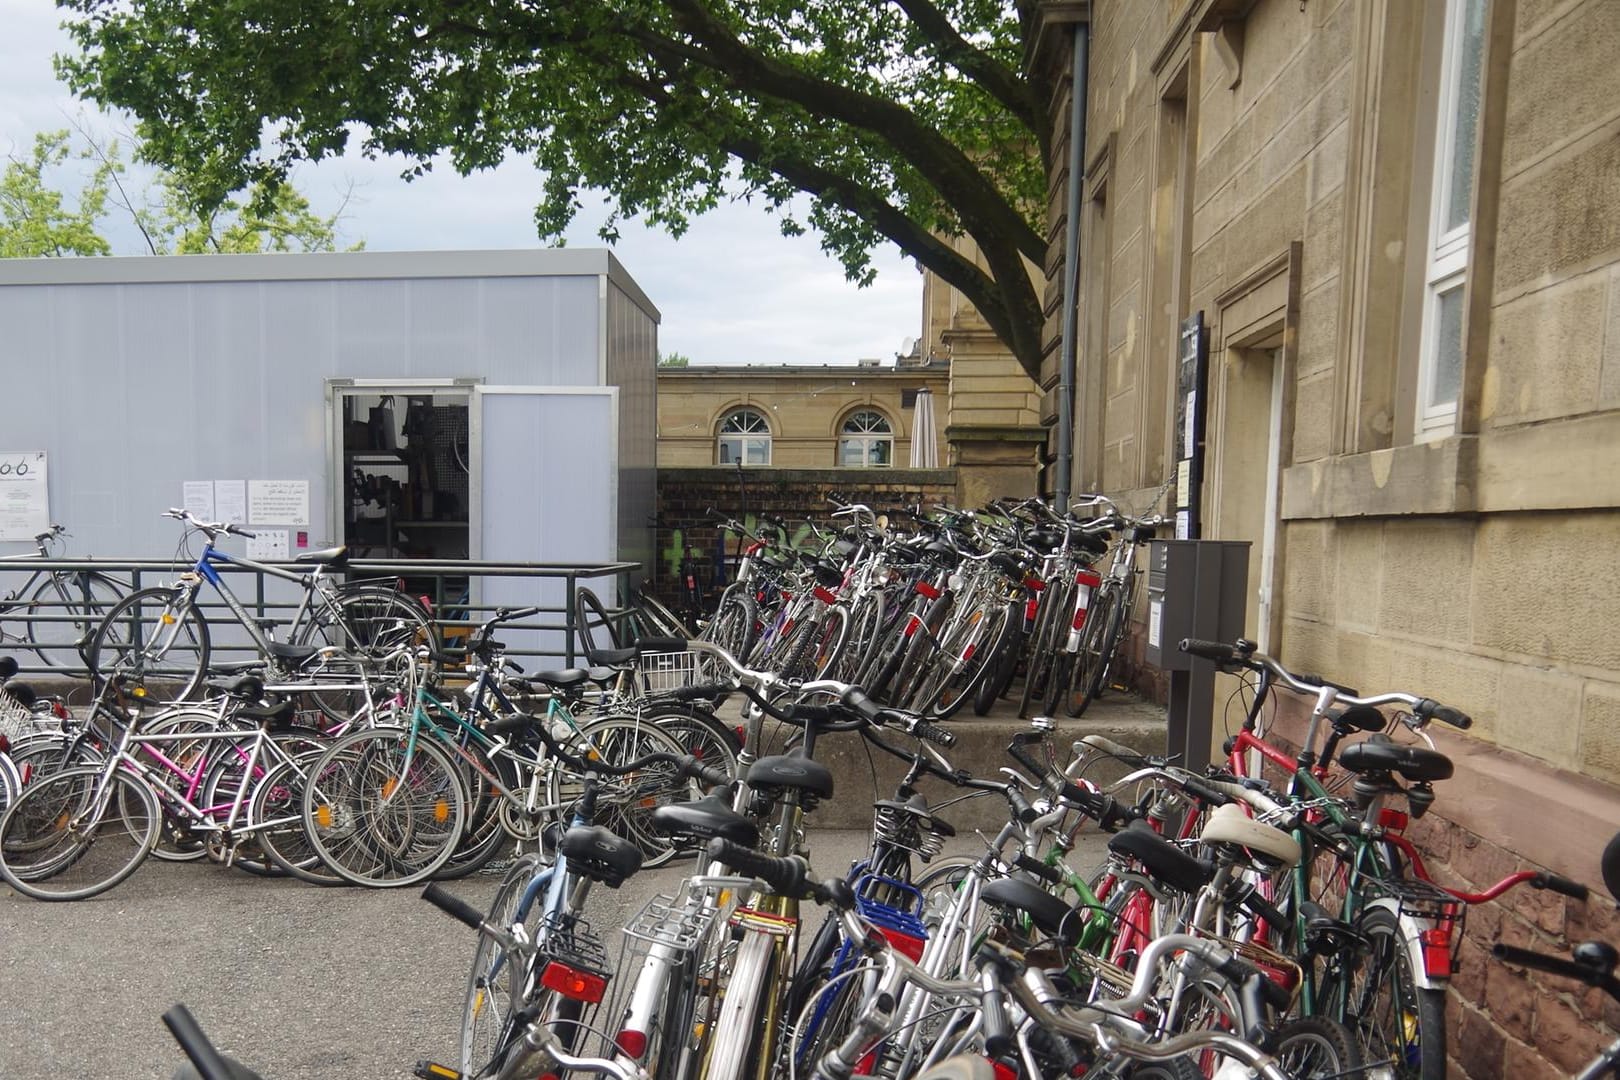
1250	438
405	470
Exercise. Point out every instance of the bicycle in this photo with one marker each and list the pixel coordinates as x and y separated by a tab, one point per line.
83	829
541	966
160	637
59	609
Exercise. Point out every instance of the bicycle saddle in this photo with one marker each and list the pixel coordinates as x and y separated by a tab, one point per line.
1046	911
703	819
249	686
293	654
791	771
612	657
564	679
1359	718
600	855
1103	744
333	557
1416	763
1163	860
917	807
1229	825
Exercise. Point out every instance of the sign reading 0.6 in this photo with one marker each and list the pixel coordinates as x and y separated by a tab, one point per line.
25	510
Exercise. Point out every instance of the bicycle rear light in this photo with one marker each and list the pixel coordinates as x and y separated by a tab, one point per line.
575	984
1085	581
906	944
632	1043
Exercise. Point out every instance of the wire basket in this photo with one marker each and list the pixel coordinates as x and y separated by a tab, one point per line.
18	721
662	672
681	926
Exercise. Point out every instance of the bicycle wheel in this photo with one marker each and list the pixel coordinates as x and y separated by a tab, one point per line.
65	610
1317	1046
1051	629
961	662
625	803
486	833
158	639
747	994
495	980
700	734
276	821
369	618
1399	1023
59	842
230	784
383	812
1098	640
733	626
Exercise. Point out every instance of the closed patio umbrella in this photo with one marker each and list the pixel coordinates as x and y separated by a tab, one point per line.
924	447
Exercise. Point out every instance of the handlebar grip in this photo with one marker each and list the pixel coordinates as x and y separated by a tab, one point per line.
239	531
1204	793
855	698
1017	752
1049	874
8	667
933	733
1265	909
1429	709
452	905
189	1034
661	644
1217	651
712	775
1021	809
1553	965
1562	885
785	875
698	692
810	714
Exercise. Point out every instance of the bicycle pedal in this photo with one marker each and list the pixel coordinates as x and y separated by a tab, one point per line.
432	1070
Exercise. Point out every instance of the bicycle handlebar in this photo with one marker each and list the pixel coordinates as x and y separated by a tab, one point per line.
212	528
1224	655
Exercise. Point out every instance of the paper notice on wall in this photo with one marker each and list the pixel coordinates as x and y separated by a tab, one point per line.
25	505
267	544
1155	621
1183	525
1188	443
1184	484
285	502
230	501
197	496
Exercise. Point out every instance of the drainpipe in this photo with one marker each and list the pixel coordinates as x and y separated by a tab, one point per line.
1071	266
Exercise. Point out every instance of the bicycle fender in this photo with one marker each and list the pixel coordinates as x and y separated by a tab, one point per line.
1411	938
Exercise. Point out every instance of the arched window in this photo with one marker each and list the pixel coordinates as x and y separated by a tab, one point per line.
866	439
745	437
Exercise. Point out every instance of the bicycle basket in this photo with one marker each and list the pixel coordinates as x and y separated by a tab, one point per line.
666	671
18	721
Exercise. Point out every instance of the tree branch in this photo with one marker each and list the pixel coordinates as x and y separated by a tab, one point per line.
982	208
999	81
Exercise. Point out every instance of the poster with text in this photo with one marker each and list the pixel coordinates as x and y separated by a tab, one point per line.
25	506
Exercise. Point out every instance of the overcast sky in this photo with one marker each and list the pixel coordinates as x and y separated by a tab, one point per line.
733	290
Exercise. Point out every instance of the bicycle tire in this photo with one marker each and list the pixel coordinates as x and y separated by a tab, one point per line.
961	660
733	627
700	734
362	831
1396	1021
1098	640
656	620
87	598
493	982
1051	624
1317	1046
731	1044
227	776
276	822
169	672
486	831
47	853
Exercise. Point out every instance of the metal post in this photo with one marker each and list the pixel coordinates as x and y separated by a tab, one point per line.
1071	266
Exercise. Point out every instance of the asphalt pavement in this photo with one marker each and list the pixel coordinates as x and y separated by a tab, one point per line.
296	981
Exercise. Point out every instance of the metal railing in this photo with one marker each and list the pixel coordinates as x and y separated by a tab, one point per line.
446	585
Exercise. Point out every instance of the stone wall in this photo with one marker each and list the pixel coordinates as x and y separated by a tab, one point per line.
685	497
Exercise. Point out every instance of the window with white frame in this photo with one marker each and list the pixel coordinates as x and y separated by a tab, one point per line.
744	438
1440	357
866	439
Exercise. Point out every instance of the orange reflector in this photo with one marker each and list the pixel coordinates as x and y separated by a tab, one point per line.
167	619
441	811
573	983
390	785
323	816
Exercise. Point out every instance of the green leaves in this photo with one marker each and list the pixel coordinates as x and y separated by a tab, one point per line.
36	218
906	120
